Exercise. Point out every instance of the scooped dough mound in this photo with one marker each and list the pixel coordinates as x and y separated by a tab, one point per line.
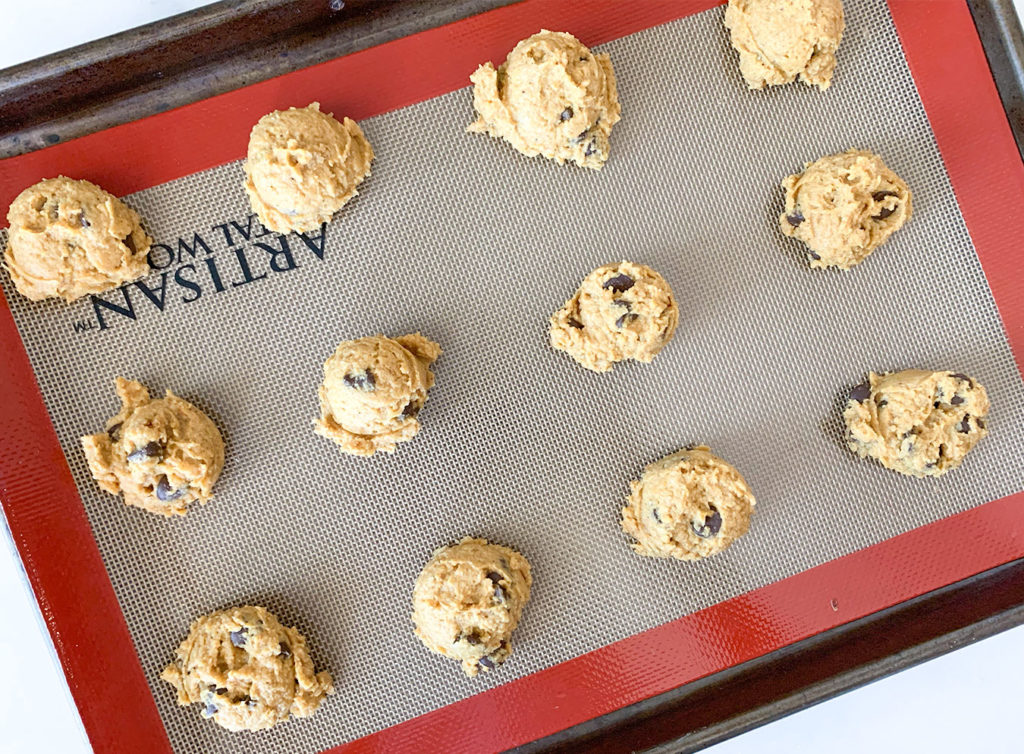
620	311
916	422
779	40
373	390
303	166
162	454
844	206
688	505
552	96
246	670
71	238
468	600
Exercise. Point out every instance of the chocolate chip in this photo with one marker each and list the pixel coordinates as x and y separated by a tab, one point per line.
795	219
473	637
625	319
654	512
249	702
935	404
83	221
284	650
149	450
499	591
964	378
980	423
114	432
165	492
711	526
566	114
860	393
210	710
130	243
812	255
885	211
623	302
591	149
956	400
238	637
360	381
412	408
883	403
581	137
497	657
619	283
573	322
220	691
965	426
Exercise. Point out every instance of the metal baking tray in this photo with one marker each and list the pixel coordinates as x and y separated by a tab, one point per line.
815	631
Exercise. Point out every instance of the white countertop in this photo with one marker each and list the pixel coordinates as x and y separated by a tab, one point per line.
966	701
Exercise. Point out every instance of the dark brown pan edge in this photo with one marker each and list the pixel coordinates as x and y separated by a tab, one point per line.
234	43
1003	40
196	55
723	705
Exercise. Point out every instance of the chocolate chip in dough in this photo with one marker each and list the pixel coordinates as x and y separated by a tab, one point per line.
360	381
165	492
711	526
239	637
149	450
625	319
860	393
619	283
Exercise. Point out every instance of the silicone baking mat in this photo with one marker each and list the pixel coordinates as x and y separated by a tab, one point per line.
459	237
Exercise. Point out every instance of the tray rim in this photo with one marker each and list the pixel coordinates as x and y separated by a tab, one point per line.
1002	38
196	55
614	736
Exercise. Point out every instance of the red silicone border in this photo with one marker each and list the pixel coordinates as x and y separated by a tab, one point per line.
52	532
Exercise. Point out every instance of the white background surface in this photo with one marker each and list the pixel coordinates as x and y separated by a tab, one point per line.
967	701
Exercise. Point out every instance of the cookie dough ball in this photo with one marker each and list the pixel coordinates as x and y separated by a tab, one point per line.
916	422
161	454
621	311
779	40
71	238
468	600
246	670
372	391
688	505
303	166
552	96
843	207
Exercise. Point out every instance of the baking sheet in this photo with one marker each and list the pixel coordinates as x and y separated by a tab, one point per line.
459	237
